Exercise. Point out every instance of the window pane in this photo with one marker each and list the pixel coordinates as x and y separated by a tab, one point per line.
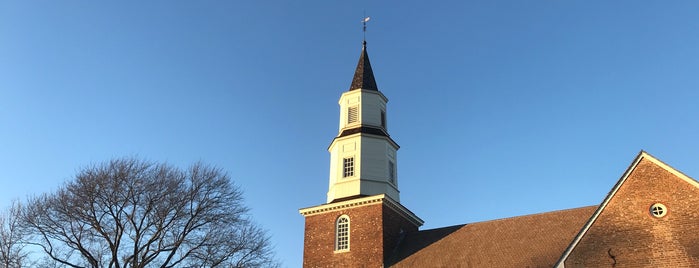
391	172
342	233
383	119
348	167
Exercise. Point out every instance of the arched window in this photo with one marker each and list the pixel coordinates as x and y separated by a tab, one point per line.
342	229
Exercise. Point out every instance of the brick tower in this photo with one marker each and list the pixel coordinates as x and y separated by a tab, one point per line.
363	221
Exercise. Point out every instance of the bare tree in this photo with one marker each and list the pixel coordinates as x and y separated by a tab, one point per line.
132	213
12	253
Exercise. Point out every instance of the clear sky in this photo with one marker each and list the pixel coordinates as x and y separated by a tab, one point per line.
501	108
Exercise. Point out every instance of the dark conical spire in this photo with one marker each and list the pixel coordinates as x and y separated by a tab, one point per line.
363	76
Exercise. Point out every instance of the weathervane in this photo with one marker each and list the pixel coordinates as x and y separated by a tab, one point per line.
364	23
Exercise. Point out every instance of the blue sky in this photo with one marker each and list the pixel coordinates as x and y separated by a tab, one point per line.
501	108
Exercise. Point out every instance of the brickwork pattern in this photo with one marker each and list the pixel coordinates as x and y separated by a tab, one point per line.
395	229
626	234
370	226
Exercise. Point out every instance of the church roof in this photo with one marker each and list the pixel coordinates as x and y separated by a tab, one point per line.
526	241
363	75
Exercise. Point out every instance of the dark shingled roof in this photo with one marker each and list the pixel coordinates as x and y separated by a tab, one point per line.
364	129
526	241
363	76
347	198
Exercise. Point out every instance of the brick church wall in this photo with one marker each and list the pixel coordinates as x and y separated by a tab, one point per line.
374	229
365	239
395	226
626	234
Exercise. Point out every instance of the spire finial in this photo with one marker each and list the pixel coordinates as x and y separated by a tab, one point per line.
364	28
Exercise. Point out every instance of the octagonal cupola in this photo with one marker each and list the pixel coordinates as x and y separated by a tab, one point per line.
363	158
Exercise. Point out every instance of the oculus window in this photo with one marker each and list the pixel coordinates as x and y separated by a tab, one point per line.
658	210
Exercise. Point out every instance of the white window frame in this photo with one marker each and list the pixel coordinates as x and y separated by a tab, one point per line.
348	167
658	210
342	234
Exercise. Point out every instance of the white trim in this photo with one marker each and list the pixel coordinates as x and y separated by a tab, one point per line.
658	210
367	135
348	167
397	207
361	202
361	90
353	113
642	155
670	169
337	233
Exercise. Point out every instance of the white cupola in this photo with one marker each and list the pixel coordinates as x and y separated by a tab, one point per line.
363	158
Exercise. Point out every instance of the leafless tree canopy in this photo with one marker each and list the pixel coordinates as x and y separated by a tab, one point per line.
132	213
12	253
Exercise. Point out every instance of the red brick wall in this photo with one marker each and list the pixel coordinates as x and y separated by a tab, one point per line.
626	235
365	239
394	222
370	226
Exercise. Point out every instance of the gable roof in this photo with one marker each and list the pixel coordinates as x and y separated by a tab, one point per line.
525	241
640	157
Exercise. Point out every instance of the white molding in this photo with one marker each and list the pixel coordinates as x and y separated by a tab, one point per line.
366	135
361	90
397	207
361	202
672	170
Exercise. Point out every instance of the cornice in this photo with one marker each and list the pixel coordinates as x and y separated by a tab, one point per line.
360	202
363	134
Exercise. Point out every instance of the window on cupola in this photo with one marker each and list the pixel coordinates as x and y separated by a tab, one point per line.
352	115
383	119
342	229
391	172
348	167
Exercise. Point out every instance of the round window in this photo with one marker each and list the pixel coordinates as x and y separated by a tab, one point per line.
658	210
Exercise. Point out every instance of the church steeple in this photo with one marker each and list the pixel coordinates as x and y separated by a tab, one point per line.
363	75
362	223
363	159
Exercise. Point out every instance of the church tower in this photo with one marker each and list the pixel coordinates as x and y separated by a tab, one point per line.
363	221
363	155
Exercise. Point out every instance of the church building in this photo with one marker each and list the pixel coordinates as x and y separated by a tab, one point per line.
648	219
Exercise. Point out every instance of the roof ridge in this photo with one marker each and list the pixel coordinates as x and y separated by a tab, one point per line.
535	214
